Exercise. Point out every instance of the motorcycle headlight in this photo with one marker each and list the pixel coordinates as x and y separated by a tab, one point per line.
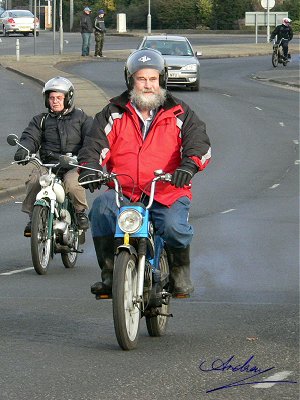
45	180
130	221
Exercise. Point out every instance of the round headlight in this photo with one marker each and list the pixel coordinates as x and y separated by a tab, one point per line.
130	221
45	180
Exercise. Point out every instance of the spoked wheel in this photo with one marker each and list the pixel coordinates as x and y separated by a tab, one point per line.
156	325
126	310
69	259
275	58
40	244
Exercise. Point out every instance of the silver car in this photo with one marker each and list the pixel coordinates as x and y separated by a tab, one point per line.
182	62
18	21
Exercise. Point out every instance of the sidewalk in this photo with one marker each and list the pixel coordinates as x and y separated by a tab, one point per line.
92	99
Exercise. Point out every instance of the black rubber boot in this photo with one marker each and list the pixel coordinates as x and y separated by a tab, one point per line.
179	264
104	247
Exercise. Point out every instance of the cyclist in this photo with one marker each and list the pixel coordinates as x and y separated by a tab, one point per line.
284	34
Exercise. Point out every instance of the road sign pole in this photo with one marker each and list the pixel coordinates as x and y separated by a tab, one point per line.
268	21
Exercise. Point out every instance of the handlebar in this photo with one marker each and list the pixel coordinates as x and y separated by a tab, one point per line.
105	177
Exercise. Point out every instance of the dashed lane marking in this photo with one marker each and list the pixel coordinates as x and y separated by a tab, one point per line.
228	211
273	380
16	271
274	186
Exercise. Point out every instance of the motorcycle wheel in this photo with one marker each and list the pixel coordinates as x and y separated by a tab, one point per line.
275	59
69	259
157	325
126	312
40	245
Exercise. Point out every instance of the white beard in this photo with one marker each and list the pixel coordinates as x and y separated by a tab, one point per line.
147	103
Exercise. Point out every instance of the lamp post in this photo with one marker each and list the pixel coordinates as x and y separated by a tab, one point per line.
149	17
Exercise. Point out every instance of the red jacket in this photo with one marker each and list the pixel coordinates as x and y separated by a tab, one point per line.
116	141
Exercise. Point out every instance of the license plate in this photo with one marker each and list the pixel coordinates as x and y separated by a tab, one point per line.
24	28
173	74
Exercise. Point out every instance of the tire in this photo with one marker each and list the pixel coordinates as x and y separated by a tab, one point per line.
275	58
25	34
126	313
157	325
5	33
40	245
69	259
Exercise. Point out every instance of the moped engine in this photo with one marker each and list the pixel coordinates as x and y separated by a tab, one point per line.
64	235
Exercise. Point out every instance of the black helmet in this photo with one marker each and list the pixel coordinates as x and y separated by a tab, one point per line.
62	85
145	58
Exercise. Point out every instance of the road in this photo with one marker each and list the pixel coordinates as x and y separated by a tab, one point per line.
20	98
45	43
57	342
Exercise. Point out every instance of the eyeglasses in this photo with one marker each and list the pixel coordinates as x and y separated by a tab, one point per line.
57	98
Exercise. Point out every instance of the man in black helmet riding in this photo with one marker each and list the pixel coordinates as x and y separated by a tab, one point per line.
142	130
59	131
284	34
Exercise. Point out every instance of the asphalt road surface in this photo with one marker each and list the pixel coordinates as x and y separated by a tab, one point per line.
47	43
241	325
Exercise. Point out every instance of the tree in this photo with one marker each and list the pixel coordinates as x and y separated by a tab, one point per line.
204	8
227	12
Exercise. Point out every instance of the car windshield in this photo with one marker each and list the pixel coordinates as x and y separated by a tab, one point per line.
170	47
21	13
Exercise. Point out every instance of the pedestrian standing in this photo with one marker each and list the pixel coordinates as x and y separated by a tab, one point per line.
100	30
86	25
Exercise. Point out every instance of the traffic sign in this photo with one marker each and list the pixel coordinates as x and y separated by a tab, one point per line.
264	4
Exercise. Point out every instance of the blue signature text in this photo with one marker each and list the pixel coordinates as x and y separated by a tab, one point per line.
218	365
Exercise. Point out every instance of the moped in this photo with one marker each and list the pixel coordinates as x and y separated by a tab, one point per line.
141	271
277	55
53	227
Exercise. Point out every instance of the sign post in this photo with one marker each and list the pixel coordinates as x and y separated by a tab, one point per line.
268	5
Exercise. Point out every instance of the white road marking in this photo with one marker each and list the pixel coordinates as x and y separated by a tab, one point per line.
228	211
295	141
274	186
260	109
280	376
16	271
281	123
297	162
227	95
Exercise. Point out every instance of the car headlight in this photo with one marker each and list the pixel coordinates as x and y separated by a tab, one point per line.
130	221
45	180
190	67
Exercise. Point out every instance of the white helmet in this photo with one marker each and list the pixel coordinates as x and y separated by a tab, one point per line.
62	85
286	21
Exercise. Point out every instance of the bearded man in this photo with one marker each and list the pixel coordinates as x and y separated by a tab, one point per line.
140	131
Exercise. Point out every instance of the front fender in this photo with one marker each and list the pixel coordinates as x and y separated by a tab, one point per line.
42	202
127	247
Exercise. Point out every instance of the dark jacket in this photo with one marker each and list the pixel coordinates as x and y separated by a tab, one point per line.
99	25
86	23
282	32
176	134
52	134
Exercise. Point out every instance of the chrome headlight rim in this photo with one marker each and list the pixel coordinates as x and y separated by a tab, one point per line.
130	220
45	180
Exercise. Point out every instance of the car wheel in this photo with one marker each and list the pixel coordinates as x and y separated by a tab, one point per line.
37	33
26	34
5	33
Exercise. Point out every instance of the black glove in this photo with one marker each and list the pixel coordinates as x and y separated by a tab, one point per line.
86	175
184	173
20	155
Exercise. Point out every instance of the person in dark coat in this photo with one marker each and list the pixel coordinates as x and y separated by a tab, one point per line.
100	30
86	25
284	35
59	131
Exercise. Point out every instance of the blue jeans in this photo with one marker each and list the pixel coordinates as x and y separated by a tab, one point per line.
170	223
86	40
